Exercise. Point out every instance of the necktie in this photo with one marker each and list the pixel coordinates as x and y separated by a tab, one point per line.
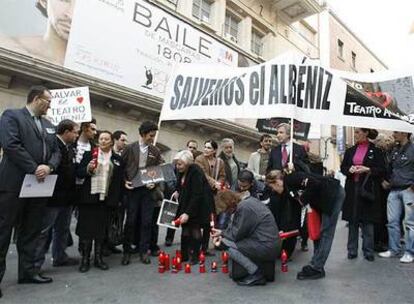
284	156
38	123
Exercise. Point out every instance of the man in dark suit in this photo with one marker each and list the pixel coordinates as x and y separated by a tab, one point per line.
56	221
279	155
279	159
140	154
29	144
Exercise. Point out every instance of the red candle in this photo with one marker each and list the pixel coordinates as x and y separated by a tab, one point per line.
176	222
174	265
225	257
187	268
167	261
178	260
178	254
201	257
224	268
214	266
95	153
161	258
283	259
203	268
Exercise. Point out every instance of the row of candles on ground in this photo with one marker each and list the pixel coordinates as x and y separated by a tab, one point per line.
176	263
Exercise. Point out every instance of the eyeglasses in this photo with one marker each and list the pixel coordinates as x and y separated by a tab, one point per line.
44	99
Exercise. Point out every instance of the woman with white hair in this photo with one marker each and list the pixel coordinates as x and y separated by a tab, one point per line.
196	203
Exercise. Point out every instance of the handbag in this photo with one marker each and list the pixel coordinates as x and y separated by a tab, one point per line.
366	191
314	224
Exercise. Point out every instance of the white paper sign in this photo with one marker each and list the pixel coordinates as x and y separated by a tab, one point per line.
33	188
73	104
136	44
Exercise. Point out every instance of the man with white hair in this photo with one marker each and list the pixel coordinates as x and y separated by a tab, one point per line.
279	155
231	164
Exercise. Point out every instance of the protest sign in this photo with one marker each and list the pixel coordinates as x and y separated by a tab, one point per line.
153	175
167	214
285	87
72	103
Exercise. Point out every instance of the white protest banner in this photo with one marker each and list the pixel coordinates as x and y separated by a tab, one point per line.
135	44
282	87
73	104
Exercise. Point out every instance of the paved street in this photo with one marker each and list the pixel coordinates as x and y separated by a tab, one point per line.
357	281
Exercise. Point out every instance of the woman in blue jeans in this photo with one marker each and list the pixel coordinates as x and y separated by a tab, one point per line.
325	195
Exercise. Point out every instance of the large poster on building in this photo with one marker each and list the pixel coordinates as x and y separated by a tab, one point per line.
139	45
286	87
131	43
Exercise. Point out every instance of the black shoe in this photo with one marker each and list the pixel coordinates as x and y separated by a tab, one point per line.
253	279
98	262
36	279
168	243
304	247
67	262
309	273
352	256
369	258
145	259
86	248
126	258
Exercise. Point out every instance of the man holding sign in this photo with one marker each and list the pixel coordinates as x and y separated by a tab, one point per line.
30	147
139	155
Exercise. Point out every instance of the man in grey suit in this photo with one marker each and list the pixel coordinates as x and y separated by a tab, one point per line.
29	147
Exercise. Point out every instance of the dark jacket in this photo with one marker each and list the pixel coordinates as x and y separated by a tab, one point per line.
227	168
254	230
286	211
300	159
317	191
22	145
195	196
130	158
402	166
64	193
356	208
116	184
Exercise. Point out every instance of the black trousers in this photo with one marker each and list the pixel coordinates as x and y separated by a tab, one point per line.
26	215
140	209
154	231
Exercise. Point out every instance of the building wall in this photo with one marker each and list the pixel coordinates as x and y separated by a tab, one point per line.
365	58
332	29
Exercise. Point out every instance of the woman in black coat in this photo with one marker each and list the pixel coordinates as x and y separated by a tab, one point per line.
103	173
196	203
364	168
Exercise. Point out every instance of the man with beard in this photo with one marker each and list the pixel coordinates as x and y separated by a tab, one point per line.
259	160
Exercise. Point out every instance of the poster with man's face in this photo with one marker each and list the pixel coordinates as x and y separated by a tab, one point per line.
37	28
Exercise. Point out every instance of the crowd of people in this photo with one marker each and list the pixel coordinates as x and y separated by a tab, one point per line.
97	184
